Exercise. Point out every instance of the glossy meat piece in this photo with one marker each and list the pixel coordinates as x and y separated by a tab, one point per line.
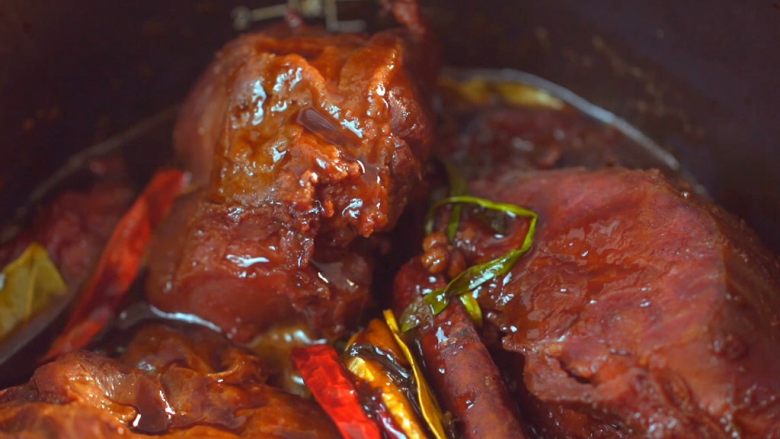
301	141
641	311
243	270
465	378
331	126
166	383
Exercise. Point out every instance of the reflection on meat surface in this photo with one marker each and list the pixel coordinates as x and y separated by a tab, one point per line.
166	383
301	141
329	127
640	311
315	125
246	269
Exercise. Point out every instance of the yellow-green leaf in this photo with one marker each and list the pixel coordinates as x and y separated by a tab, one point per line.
482	91
472	308
523	95
27	285
458	186
427	401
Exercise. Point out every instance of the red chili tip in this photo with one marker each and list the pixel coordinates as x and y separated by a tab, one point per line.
328	381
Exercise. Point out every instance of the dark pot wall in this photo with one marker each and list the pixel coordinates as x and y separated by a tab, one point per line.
700	78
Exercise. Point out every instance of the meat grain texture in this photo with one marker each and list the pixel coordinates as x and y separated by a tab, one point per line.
302	144
642	311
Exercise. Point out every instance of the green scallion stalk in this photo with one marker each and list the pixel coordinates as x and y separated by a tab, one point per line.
458	187
474	277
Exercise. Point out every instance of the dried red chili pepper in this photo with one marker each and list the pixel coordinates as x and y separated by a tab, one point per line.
321	369
119	263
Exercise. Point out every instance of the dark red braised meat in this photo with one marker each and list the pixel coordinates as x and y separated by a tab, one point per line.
168	383
302	141
642	311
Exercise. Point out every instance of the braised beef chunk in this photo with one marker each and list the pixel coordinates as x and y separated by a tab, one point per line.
169	383
613	303
332	127
301	141
641	311
242	270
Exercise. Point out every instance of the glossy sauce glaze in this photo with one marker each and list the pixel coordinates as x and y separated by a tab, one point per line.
642	310
631	281
302	145
498	126
305	148
169	382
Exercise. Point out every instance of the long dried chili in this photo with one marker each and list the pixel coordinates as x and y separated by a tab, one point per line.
120	262
322	371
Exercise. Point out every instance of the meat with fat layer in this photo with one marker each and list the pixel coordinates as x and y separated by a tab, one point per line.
168	383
